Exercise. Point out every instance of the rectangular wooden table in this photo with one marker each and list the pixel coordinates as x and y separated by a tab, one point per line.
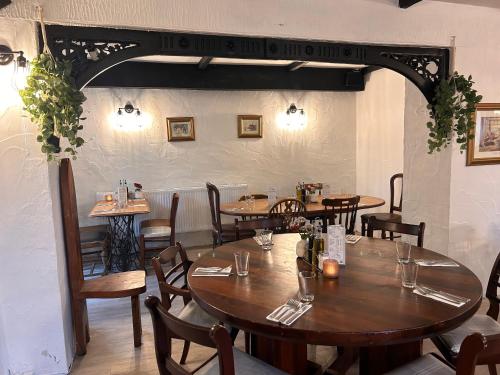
124	245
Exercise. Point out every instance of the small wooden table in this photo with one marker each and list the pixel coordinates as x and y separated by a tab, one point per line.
124	245
261	206
365	308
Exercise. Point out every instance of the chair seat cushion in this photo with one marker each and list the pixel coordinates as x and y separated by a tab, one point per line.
194	314
478	323
425	365
159	231
244	364
383	216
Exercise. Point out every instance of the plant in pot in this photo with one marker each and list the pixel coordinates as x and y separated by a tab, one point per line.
54	104
452	112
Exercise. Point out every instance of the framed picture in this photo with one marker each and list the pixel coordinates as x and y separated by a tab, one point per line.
249	126
484	146
180	129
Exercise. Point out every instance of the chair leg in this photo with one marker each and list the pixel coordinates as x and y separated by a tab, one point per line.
493	369
185	351
86	316
142	251
79	323
136	320
363	227
247	342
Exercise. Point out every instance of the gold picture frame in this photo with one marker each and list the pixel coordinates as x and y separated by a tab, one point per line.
180	129
484	146
249	126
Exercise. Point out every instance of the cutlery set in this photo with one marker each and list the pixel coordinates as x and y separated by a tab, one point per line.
212	271
288	313
441	296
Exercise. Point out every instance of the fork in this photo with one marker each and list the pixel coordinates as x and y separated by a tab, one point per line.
292	303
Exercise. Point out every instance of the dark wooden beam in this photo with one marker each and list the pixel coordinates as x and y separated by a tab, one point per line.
296	65
227	77
204	61
4	3
404	4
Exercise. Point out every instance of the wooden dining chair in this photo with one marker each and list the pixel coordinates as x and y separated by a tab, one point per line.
221	233
390	216
95	242
449	343
124	284
287	209
158	232
401	228
341	211
227	361
173	284
274	223
476	350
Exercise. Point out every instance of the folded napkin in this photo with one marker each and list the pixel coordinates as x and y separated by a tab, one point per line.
444	298
352	238
259	240
287	315
436	263
212	271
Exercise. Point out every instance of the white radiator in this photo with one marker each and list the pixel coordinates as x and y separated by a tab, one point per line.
193	213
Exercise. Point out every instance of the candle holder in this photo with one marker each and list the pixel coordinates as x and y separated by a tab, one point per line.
331	268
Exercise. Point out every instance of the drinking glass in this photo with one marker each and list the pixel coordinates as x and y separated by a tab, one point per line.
266	238
409	273
306	286
241	260
403	251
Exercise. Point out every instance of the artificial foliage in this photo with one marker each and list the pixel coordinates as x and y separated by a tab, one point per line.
54	104
452	113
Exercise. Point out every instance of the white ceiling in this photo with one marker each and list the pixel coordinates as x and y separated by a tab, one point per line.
228	61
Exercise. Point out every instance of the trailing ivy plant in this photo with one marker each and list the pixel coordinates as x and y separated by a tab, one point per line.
54	104
452	113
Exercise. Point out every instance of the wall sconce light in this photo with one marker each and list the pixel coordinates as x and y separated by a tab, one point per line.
125	119
21	65
296	117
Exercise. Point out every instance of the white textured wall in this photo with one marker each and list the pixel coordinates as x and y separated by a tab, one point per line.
426	177
33	299
325	150
379	134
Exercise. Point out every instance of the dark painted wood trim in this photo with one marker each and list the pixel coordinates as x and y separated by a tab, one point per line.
296	65
405	4
227	77
204	61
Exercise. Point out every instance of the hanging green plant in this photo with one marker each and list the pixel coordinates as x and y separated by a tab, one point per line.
451	111
54	104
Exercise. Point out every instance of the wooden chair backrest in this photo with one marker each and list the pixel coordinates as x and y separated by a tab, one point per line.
402	228
492	289
288	209
393	207
214	200
167	280
71	226
166	326
254	196
477	349
274	223
341	211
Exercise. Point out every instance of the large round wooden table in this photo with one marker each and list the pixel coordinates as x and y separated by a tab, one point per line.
365	308
262	206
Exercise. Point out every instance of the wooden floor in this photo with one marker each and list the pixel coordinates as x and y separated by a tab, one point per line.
111	349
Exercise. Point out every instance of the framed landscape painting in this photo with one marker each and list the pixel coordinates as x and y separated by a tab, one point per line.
180	129
249	126
484	146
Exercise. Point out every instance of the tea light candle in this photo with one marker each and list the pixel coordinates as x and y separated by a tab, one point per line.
331	268
108	197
